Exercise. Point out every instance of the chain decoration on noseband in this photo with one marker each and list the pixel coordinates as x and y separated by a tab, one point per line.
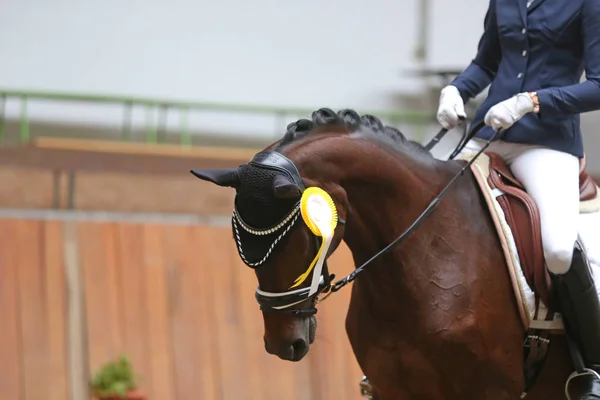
285	223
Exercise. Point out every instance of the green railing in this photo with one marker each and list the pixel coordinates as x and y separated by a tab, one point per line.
152	106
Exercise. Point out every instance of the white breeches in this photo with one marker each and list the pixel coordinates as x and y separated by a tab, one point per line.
552	178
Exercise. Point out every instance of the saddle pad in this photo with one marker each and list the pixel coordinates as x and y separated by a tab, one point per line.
523	293
590	206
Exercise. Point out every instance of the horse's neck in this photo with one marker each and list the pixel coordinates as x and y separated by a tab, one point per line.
388	200
385	202
439	255
384	192
383	210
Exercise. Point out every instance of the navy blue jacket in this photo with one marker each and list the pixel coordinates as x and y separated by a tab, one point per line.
543	49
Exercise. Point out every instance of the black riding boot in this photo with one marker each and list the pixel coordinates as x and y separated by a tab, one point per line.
580	308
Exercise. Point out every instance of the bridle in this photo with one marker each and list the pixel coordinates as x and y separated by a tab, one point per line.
282	302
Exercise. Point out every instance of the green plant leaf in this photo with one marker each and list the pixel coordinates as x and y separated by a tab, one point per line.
116	377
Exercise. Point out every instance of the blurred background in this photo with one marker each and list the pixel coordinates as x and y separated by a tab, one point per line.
108	245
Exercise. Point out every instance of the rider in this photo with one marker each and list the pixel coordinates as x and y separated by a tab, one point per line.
533	52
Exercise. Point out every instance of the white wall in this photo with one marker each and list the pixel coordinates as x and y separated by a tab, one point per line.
339	52
454	31
311	53
336	53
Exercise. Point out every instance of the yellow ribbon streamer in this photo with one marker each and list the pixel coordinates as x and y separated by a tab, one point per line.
320	215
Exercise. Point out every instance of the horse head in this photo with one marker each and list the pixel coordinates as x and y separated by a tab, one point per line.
271	233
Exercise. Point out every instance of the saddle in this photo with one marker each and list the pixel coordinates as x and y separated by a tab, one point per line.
522	216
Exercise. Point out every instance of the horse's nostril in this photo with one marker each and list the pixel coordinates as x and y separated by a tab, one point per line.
291	352
300	348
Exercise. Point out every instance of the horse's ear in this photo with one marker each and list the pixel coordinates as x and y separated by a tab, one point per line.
284	188
221	177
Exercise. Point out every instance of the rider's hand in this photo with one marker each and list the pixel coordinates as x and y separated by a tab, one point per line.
451	108
504	114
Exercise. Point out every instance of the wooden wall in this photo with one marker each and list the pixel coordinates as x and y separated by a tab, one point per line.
175	298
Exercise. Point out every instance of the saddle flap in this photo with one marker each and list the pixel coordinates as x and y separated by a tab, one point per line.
522	215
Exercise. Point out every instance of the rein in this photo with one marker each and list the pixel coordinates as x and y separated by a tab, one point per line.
280	302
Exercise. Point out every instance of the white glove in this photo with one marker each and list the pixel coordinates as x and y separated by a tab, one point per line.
451	108
504	114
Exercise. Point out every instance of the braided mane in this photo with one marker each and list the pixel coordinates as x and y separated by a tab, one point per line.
348	121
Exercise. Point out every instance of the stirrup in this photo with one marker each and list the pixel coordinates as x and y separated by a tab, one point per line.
366	390
577	374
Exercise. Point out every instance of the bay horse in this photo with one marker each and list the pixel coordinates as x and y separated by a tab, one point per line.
435	317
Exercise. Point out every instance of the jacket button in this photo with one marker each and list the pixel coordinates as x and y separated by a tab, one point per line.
524	53
523	31
519	75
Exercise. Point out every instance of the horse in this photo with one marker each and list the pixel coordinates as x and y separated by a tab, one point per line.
433	318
